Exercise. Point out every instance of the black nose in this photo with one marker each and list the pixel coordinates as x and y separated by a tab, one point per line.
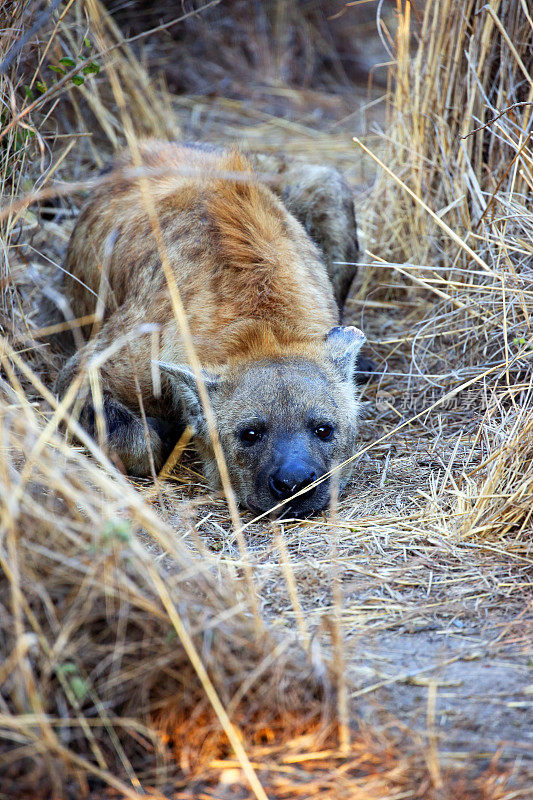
284	483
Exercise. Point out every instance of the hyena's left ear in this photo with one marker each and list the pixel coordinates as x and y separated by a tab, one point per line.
186	389
343	344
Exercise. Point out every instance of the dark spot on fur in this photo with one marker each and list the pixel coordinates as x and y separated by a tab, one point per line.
115	414
107	169
204	147
116	417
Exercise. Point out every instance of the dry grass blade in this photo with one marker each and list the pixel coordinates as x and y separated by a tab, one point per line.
112	603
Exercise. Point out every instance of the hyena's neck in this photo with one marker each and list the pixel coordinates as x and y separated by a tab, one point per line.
248	340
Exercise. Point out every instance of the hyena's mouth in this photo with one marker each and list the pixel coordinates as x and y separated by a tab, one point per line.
305	505
303	508
261	512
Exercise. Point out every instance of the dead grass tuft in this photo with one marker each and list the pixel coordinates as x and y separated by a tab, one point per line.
102	633
456	240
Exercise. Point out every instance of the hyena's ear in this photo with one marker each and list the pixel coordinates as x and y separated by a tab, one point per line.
343	344
186	389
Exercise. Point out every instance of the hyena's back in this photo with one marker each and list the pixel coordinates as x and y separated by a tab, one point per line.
234	250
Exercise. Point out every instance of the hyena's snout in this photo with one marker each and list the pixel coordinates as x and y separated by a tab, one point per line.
291	477
290	480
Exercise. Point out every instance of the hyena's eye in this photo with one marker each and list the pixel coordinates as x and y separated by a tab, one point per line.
323	431
251	435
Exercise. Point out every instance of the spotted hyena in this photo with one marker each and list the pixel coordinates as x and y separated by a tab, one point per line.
262	274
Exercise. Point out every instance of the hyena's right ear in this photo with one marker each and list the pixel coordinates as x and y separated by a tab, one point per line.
185	387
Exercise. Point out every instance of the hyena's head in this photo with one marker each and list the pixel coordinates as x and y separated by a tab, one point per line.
283	423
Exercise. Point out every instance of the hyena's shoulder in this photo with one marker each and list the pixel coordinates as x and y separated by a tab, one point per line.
319	196
114	238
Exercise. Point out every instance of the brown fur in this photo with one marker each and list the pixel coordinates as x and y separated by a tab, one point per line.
254	284
227	240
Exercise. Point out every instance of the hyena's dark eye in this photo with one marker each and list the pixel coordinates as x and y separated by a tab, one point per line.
324	431
251	435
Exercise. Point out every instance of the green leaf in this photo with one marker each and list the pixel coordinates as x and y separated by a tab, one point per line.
79	687
68	62
40	86
86	42
77	80
117	529
56	69
28	92
68	668
91	69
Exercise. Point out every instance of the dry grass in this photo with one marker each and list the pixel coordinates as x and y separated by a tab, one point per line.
456	197
102	634
127	629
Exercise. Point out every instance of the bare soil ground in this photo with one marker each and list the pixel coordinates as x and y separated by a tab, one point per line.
419	610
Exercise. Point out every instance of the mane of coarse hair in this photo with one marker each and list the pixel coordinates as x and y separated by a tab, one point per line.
248	219
255	245
255	339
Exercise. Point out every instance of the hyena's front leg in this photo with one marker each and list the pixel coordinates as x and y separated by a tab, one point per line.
136	447
322	201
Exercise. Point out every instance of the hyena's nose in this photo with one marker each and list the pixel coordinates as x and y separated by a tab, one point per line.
285	482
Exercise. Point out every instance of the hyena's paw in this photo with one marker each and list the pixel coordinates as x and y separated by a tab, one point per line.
127	442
